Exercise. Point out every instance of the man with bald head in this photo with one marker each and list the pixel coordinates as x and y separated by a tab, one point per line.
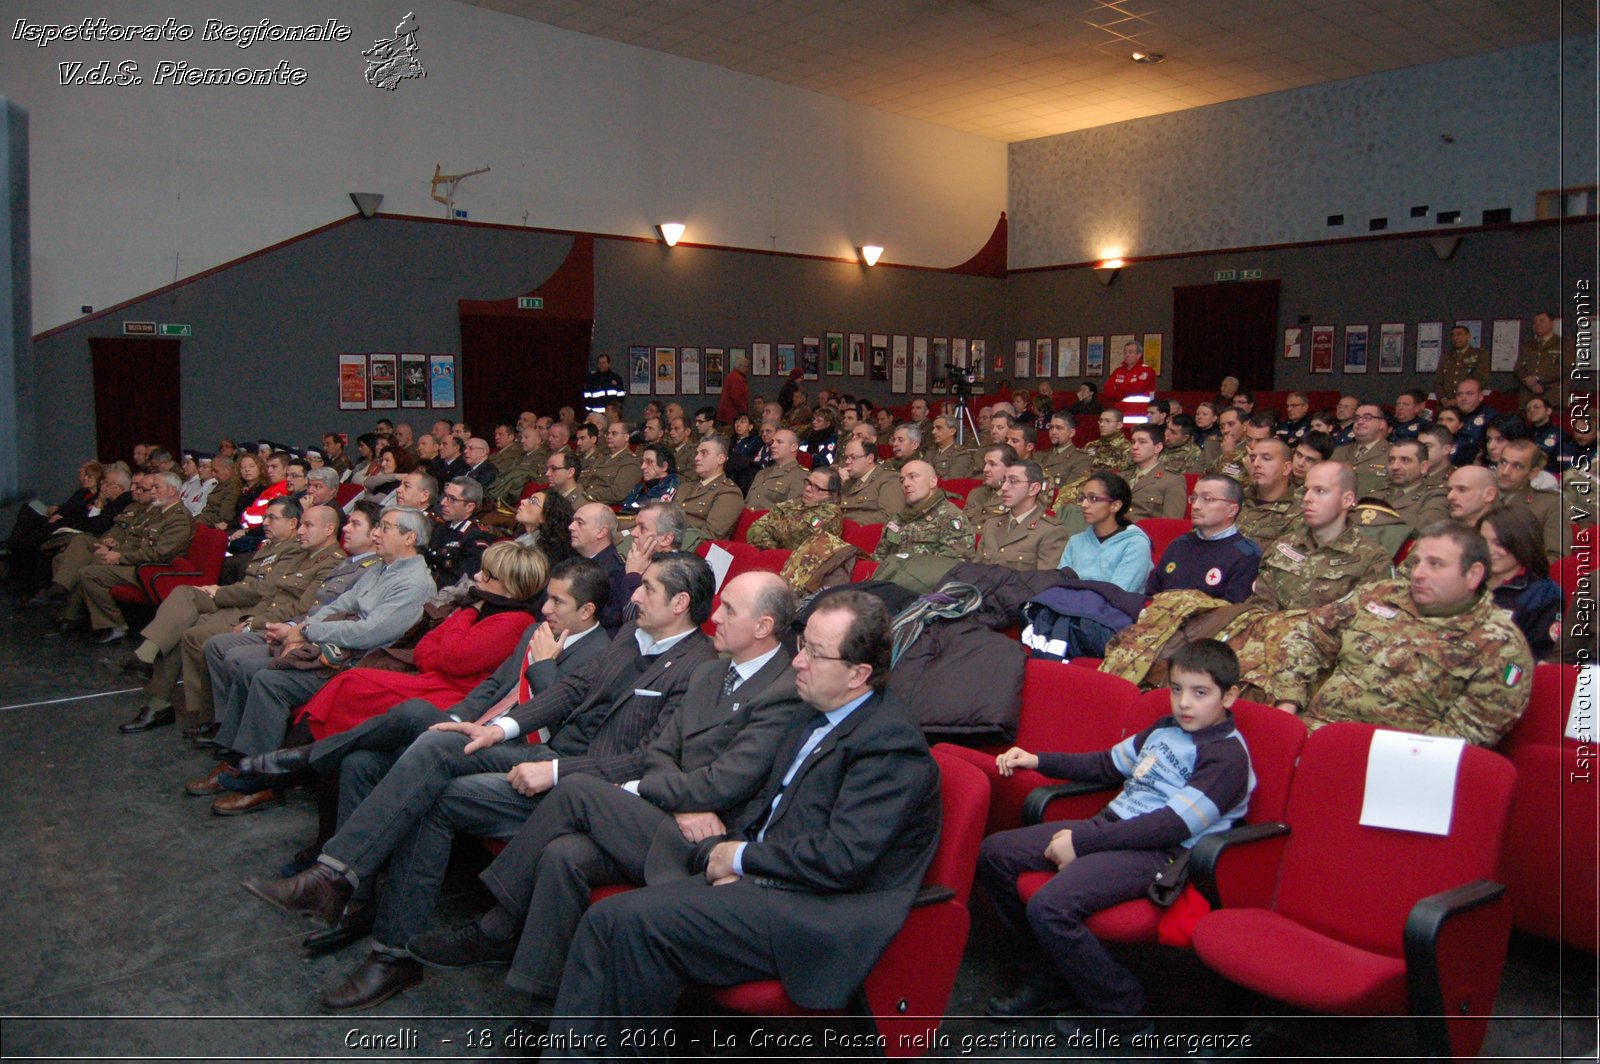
711	757
476	456
928	523
1471	493
783	480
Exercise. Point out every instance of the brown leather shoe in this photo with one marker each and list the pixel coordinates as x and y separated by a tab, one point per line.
234	804
378	978
207	784
319	892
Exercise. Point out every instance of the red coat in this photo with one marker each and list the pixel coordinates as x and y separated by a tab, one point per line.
735	398
1140	380
452	659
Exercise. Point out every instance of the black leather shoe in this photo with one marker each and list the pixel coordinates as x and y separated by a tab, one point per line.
287	761
465	946
319	892
107	637
129	666
378	978
149	718
203	736
353	926
54	595
1032	998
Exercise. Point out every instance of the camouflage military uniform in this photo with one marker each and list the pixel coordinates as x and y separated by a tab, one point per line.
1467	674
1109	452
935	527
983	502
1419	505
1186	459
1063	465
1264	522
955	462
1230	464
789	524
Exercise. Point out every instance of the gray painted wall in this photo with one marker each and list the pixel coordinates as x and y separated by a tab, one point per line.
16	352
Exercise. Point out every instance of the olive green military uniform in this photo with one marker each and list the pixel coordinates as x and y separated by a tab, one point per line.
684	456
872	499
1382	524
1551	360
164	536
1264	522
1156	493
1229	463
1189	458
1062	466
222	505
713	506
1456	366
1547	509
1034	543
789	524
1419	505
610	478
983	502
1109	452
934	527
782	482
1370	461
955	462
78	553
506	487
1466	674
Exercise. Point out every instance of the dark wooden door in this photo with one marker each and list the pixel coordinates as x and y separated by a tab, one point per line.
510	364
1222	330
137	395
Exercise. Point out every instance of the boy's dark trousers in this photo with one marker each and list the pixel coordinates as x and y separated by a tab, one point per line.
1049	931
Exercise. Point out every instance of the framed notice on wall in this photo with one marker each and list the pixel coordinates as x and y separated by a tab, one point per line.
760	360
383	381
1392	347
1430	337
1068	359
1322	349
1152	351
835	351
1291	342
787	360
858	354
1094	356
980	352
714	369
878	356
413	381
442	382
1355	349
639	369
958	355
666	371
900	366
1505	344
1022	359
689	370
811	358
352	382
1044	357
919	364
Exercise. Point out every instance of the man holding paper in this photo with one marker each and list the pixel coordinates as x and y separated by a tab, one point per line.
1431	654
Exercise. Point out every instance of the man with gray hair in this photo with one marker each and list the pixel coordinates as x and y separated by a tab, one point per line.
384	603
322	487
163	536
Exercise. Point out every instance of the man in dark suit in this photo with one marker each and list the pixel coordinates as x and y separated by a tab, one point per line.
818	873
598	720
594	535
712	758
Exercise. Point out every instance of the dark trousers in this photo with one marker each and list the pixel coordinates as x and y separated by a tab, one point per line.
359	757
587	833
1049	931
636	952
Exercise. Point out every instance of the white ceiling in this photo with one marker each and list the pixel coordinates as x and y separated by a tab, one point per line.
1013	70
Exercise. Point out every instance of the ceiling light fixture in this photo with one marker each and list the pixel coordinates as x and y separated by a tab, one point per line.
870	253
671	232
1147	57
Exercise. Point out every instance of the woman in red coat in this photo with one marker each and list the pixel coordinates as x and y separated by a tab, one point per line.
453	658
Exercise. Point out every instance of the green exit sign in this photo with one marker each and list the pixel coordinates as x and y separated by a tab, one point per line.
530	303
169	329
1249	275
1225	275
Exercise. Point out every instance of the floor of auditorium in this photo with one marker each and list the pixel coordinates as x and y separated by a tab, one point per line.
127	934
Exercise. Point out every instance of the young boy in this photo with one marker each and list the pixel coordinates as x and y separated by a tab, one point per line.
1185	776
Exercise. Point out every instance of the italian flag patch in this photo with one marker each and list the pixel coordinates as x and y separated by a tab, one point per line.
1513	673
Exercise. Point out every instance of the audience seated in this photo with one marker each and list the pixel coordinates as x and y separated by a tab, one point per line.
1112	548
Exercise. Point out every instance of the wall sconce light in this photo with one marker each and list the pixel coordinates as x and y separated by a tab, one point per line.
1444	246
671	232
367	202
1107	271
870	253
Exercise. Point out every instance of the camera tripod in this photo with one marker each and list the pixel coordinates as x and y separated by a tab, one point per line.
963	416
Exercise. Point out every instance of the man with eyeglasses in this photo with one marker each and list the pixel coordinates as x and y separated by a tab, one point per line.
1367	453
871	494
456	546
561	472
1215	558
782	481
1025	537
1156	492
928	523
816	873
610	477
789	524
1296	419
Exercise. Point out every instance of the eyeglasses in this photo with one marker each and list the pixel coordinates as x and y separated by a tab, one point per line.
800	645
1086	497
1207	499
809	486
1369	417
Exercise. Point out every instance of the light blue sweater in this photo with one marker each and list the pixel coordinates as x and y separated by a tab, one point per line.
1123	559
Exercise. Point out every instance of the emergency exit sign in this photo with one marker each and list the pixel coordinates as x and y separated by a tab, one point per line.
169	329
530	303
1225	275
1249	275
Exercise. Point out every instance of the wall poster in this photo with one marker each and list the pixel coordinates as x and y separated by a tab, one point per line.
760	360
787	360
1022	359
666	371
858	354
413	381
879	357
939	357
1094	356
1322	349
383	382
897	377
1430	339
715	367
1505	344
958	353
1152	351
1291	342
689	370
1355	348
1392	347
352	382
1068	358
919	364
980	352
811	358
1044	357
835	354
442	381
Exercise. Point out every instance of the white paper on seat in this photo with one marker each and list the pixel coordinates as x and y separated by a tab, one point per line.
1580	716
720	561
1411	782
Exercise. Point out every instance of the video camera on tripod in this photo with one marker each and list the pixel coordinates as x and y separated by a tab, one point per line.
961	379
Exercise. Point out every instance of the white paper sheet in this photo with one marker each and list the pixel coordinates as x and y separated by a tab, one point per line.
1411	782
1580	717
1505	346
720	561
